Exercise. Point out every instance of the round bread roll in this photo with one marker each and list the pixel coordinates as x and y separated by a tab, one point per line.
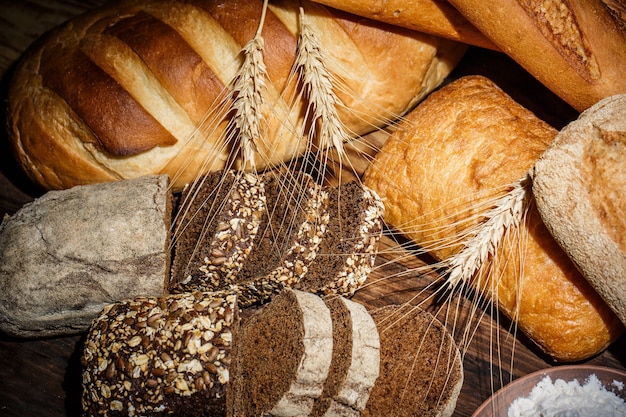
579	184
575	48
455	153
144	87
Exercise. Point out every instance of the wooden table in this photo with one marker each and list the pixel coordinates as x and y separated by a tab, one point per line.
42	377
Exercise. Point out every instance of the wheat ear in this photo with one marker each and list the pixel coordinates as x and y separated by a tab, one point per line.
318	87
248	87
507	213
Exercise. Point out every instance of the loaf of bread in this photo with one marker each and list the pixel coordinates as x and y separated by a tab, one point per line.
579	184
67	254
575	48
447	164
142	87
435	17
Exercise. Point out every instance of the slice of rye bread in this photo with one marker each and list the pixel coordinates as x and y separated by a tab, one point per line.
348	250
421	372
356	359
282	357
158	356
215	230
288	239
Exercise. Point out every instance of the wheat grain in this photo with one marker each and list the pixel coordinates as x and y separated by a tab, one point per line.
318	87
506	214
248	86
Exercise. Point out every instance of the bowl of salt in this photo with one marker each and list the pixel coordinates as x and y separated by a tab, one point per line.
564	391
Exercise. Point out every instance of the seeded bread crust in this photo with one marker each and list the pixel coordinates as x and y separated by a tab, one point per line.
287	345
348	251
217	231
421	366
160	355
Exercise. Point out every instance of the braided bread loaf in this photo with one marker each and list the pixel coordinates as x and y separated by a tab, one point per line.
142	87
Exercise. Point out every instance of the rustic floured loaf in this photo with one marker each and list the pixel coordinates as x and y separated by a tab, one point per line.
421	371
460	149
67	254
135	87
579	184
282	357
435	17
155	356
575	48
215	230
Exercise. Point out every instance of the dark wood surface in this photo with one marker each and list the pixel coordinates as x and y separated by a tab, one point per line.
42	377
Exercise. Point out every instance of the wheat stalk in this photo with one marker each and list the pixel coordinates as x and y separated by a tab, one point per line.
506	214
318	86
248	86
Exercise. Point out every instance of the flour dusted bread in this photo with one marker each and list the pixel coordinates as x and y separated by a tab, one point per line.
456	151
421	371
575	48
579	184
142	87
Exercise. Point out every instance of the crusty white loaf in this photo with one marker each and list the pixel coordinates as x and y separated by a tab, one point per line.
575	48
579	184
126	90
454	153
435	17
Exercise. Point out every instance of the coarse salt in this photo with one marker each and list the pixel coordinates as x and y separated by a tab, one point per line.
570	399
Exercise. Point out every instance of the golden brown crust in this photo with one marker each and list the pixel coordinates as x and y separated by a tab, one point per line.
434	17
575	48
461	145
123	91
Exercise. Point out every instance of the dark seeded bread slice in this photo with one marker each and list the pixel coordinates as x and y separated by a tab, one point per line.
288	239
215	230
157	356
282	357
348	250
356	360
421	371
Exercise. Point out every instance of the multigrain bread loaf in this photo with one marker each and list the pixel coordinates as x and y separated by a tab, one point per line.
458	150
155	356
141	87
421	371
575	48
579	184
435	17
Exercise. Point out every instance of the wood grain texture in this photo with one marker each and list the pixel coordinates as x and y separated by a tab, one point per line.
42	377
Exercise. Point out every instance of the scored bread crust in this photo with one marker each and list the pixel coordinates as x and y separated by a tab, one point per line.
462	145
575	48
123	91
435	17
579	184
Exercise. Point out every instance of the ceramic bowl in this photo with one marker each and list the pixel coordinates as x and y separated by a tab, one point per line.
498	404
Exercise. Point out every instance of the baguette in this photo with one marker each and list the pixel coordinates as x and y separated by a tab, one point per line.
461	145
142	87
434	17
575	48
579	184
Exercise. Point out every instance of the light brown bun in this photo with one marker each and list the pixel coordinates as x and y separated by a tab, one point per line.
435	17
575	48
459	147
579	184
122	91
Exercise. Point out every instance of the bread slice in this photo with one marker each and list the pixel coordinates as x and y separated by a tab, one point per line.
579	184
289	237
356	360
155	356
420	369
348	250
215	230
282	357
